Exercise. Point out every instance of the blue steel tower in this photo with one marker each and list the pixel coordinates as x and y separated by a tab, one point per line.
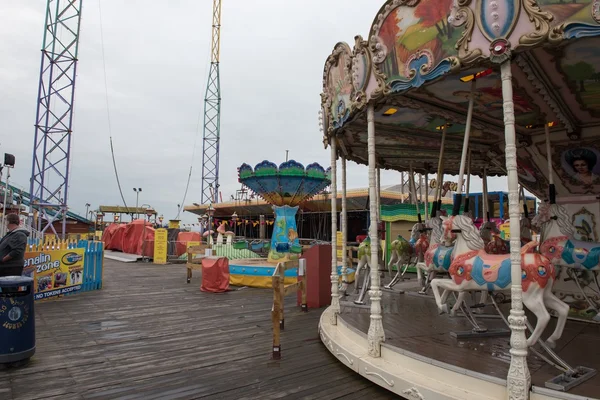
53	123
212	116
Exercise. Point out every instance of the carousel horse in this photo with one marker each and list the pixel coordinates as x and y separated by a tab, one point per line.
494	244
559	245
437	256
364	259
473	269
404	251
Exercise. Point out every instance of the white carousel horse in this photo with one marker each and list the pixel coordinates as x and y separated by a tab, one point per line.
559	245
494	244
438	257
473	269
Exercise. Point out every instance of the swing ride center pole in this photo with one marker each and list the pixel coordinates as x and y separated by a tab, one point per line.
519	377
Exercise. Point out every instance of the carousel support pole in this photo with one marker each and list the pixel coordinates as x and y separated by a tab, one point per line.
437	198
465	151
519	378
551	187
468	188
486	214
335	297
375	335
426	197
440	177
378	195
344	230
413	190
402	187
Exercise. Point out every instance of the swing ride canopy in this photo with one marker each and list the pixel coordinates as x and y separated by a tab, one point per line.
422	59
287	185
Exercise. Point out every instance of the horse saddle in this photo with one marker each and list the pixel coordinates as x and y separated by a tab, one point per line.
586	254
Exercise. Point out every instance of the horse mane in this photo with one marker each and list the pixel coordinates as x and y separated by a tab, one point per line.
525	225
469	232
563	220
436	229
415	233
486	229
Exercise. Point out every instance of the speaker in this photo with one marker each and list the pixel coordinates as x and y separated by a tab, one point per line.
9	160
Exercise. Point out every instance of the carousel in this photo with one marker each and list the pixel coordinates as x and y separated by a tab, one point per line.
472	88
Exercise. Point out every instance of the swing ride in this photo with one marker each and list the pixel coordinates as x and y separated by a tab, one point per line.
285	187
475	88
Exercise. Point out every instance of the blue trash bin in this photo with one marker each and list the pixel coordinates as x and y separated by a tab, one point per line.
17	319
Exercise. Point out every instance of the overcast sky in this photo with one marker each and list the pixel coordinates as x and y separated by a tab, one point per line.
157	55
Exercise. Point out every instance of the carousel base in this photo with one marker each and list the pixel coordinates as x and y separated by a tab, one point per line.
421	360
258	273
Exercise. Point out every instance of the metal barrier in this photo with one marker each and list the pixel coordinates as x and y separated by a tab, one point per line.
280	290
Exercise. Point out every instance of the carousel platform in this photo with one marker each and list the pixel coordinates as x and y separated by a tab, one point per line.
420	358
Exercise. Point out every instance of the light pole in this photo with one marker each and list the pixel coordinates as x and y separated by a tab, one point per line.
87	210
149	212
160	220
137	198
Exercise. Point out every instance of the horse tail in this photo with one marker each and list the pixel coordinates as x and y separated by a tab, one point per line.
529	247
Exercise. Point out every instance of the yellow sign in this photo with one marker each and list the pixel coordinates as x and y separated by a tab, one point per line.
339	240
173	224
505	228
55	272
160	246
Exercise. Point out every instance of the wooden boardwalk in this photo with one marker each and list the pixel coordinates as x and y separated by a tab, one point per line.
149	335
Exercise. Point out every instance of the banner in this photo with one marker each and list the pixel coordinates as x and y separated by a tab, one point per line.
54	272
339	240
160	246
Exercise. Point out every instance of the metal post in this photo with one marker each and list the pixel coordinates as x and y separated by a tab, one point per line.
5	199
335	297
519	378
262	230
465	150
376	335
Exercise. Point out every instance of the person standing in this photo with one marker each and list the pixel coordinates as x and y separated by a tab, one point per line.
12	247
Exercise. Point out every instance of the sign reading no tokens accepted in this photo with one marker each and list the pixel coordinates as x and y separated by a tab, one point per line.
55	272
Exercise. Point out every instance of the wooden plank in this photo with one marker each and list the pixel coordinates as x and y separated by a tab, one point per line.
292	288
149	335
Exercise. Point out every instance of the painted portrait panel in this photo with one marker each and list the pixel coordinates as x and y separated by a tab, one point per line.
579	167
339	86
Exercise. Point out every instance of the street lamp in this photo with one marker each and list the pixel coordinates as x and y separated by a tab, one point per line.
160	220
234	218
137	198
87	210
149	212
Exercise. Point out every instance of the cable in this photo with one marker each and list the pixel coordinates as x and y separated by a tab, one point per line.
112	150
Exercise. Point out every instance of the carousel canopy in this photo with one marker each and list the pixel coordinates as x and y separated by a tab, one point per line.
424	59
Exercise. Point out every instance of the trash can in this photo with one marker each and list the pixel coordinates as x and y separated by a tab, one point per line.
17	319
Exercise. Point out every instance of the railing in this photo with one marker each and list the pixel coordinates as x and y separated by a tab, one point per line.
280	290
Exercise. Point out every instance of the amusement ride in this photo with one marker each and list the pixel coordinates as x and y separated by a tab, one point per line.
474	88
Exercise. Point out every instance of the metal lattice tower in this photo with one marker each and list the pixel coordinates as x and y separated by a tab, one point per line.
212	116
54	117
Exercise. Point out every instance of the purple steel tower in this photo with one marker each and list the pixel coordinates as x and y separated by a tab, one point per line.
54	117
